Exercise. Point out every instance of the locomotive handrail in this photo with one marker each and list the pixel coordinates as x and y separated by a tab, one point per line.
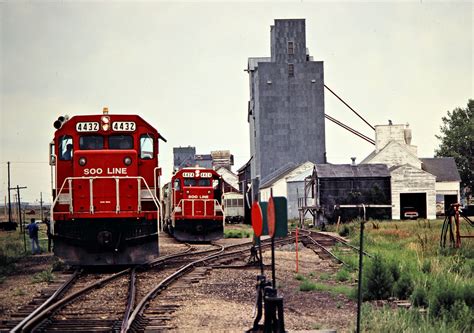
182	201
69	181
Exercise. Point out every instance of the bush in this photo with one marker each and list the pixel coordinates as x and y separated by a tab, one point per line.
378	280
419	297
395	270
442	300
403	288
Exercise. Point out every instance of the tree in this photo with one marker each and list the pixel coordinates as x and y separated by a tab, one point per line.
457	140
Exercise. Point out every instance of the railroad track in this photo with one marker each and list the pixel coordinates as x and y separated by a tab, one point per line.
321	244
128	300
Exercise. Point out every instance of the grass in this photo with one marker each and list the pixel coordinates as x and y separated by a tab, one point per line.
237	233
44	276
336	290
441	279
12	248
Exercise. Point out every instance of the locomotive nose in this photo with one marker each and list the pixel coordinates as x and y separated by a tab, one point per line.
104	238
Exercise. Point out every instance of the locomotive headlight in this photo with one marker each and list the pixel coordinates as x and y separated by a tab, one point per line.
105	120
82	161
127	160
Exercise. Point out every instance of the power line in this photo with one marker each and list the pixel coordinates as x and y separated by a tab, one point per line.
350	129
365	121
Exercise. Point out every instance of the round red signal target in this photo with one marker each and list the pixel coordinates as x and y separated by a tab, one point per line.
257	219
271	217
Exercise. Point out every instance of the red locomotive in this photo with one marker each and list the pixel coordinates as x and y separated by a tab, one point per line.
192	205
106	181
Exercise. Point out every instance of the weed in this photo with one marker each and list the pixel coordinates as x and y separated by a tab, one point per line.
343	275
19	292
44	276
237	233
2	279
426	266
300	277
325	276
307	286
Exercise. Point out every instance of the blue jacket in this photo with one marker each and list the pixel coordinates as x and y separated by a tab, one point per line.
32	230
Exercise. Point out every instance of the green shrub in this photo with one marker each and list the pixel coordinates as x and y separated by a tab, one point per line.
343	275
419	297
395	270
378	280
442	300
403	288
467	293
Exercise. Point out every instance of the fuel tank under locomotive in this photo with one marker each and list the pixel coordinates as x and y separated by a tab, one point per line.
106	241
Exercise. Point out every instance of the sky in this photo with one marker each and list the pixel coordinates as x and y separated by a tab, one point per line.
180	65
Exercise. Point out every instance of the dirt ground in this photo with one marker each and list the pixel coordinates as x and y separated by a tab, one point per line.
224	301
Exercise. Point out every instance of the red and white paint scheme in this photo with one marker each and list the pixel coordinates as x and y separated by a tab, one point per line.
105	180
193	205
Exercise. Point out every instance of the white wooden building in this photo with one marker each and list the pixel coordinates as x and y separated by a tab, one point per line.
415	182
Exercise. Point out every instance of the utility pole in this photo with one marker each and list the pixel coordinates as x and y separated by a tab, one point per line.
41	206
9	200
18	188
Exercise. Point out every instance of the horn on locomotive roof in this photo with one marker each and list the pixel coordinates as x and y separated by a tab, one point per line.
61	120
105	110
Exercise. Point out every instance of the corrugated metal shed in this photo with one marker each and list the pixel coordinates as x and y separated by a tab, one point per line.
351	171
444	168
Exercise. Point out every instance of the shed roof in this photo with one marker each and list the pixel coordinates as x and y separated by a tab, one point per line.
301	176
274	176
444	168
352	171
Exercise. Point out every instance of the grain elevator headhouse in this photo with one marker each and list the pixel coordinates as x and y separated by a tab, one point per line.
286	107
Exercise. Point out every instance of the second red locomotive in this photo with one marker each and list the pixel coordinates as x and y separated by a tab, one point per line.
105	179
193	205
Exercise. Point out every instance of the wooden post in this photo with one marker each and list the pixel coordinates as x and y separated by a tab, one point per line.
338	221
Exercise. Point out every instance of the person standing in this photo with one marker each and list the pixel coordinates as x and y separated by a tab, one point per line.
33	233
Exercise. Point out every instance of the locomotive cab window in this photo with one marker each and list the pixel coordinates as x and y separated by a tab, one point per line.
91	142
204	182
177	185
189	182
146	147
120	142
65	148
